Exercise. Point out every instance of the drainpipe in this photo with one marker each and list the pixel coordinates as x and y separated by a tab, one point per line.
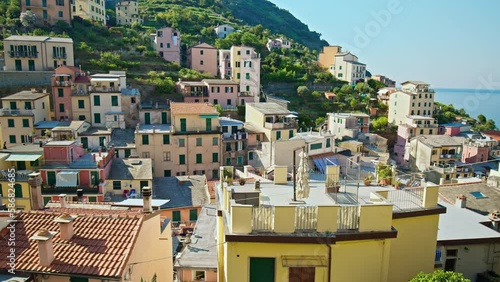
329	261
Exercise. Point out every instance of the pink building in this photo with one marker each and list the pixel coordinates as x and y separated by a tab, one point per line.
69	167
474	152
414	126
453	129
203	58
66	82
168	44
215	91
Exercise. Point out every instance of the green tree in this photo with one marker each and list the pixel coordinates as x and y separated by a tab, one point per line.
440	276
379	124
360	86
303	91
346	89
354	103
481	118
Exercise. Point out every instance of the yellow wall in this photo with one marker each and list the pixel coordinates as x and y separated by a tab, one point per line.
77	112
327	56
193	122
21	203
136	184
152	251
416	240
18	130
351	261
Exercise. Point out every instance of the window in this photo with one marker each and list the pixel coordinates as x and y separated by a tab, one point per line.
81	104
166	139
215	157
201	52
239	52
198	142
278	135
166	156
257	137
182	159
199	158
114	101
45	15
430	131
168	45
117	185
239	160
238	75
60	14
181	142
78	279
421	131
250	156
161	45
31	65
145	155
176	216
328	144
12	139
145	139
201	62
61	108
60	92
316	146
183	124
229	102
247	75
247	88
290	133
27	105
97	100
199	275
10	122
301	274
18	190
215	141
26	122
193	215
167	173
97	118
248	52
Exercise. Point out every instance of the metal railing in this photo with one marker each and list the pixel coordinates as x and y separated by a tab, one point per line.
63	83
104	89
263	218
60	56
22	54
407	199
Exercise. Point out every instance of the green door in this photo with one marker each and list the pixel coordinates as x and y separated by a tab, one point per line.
164	118
21	165
176	216
19	66
208	124
262	269
127	153
51	177
183	124
193	215
13	105
94	177
147	118
85	142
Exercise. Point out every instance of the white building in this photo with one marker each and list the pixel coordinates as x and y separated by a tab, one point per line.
127	13
278	43
90	10
346	67
105	100
348	125
414	98
222	31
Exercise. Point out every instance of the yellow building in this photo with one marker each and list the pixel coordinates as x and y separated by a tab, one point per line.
126	175
264	235
19	115
37	53
127	13
189	145
327	56
16	163
274	120
93	10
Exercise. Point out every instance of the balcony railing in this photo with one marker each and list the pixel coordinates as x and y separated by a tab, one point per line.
450	156
79	92
104	89
60	56
408	199
235	136
19	54
20	175
217	129
15	112
245	94
281	125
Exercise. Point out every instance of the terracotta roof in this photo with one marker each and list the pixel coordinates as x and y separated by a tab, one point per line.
192	108
100	246
82	79
495	134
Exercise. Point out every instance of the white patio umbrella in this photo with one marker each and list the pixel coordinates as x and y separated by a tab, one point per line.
303	177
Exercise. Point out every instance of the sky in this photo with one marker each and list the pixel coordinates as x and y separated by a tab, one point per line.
448	43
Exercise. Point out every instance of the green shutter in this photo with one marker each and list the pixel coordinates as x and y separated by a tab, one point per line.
51	177
164	118
328	144
147	118
193	215
18	190
166	139
199	158
127	153
12	139
167	173
182	159
316	146
27	105
94	177
208	124
215	157
97	100
215	141
262	269
250	156
10	122
85	142
60	92
290	133
81	104
26	123
176	216
183	125
278	135
198	141
61	108
97	118
145	139
114	101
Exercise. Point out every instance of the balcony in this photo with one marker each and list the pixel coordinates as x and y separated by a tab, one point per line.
281	125
64	83
60	56
199	130
235	136
104	89
450	156
79	92
245	94
15	112
196	94
14	54
20	175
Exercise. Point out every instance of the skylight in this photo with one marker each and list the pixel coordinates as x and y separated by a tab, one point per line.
478	195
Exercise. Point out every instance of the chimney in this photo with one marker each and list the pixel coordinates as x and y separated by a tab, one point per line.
257	185
33	90
65	221
62	200
79	195
35	183
146	198
494	216
461	201
45	247
280	174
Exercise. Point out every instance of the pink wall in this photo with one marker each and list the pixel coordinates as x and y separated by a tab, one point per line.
84	177
472	154
222	96
451	131
186	275
61	154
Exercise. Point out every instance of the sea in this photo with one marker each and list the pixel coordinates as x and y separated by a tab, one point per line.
473	101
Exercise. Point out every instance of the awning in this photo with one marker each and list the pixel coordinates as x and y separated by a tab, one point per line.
304	261
291	116
321	161
209	116
67	179
111	79
23	157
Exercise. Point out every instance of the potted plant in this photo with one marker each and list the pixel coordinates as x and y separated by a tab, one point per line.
242	181
384	174
368	180
397	185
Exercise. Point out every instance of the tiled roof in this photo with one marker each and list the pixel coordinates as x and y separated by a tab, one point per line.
82	79
100	246
192	108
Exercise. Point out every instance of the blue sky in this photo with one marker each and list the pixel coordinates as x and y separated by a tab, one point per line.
448	43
